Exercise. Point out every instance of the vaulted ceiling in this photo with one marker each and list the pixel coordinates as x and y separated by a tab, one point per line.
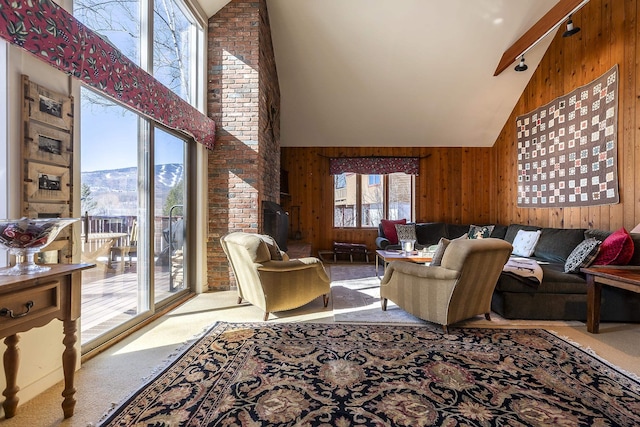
398	72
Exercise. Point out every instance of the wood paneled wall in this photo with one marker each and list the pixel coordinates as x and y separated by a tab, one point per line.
454	185
608	36
478	185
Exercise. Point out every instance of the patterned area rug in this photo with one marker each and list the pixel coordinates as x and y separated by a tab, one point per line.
310	374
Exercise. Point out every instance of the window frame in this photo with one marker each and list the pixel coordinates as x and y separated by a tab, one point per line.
385	178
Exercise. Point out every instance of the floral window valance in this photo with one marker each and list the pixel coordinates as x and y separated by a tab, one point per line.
52	34
374	165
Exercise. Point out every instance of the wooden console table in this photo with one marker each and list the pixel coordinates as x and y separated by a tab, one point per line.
33	300
619	277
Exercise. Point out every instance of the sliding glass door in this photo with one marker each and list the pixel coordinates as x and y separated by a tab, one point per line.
133	217
169	217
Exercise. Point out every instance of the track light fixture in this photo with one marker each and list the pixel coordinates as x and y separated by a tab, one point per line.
521	66
571	30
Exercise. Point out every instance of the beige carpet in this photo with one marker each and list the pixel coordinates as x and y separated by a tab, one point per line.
111	376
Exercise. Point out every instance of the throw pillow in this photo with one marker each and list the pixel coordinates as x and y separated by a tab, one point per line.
274	249
389	229
439	253
582	256
436	260
480	231
406	232
617	249
525	242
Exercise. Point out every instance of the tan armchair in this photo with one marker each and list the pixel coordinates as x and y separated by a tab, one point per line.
460	288
268	279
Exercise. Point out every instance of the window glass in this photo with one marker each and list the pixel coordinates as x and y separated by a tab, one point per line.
344	200
117	21
372	200
173	40
400	196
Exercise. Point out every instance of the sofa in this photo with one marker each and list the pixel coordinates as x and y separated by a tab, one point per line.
560	295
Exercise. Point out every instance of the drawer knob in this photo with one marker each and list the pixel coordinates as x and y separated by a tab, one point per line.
9	313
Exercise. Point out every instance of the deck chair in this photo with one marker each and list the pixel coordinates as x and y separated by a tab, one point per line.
127	247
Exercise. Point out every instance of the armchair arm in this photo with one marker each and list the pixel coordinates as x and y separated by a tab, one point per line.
291	265
419	270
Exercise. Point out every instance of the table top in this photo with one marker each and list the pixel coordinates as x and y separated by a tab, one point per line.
400	255
8	282
627	274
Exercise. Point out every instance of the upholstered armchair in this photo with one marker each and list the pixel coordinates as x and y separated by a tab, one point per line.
268	279
459	288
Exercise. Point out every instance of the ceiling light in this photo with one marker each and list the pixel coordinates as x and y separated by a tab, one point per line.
521	66
571	30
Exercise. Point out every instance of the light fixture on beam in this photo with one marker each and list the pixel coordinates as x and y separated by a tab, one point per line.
521	66
571	30
547	24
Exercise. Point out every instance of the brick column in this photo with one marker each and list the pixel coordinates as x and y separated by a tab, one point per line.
244	100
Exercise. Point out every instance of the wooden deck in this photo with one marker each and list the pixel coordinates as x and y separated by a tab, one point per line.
110	298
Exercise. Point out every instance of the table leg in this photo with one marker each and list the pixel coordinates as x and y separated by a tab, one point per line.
594	291
69	359
11	362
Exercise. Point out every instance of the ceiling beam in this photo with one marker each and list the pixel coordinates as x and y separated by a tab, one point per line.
539	30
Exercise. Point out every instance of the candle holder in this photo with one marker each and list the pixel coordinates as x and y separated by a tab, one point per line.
27	236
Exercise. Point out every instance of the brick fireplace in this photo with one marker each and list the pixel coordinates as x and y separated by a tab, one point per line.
243	97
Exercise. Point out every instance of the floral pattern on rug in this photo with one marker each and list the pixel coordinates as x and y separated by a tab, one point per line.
307	374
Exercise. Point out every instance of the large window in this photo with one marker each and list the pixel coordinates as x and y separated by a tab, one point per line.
134	173
361	201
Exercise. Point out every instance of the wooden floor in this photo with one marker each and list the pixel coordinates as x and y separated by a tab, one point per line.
110	298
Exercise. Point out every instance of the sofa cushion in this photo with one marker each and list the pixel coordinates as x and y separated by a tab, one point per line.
389	229
480	231
635	259
499	231
457	230
556	244
513	229
554	281
525	242
617	249
429	233
582	256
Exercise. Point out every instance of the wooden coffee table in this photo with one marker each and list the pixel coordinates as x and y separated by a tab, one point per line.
619	277
388	256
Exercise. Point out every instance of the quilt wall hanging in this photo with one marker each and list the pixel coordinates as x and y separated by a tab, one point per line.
567	149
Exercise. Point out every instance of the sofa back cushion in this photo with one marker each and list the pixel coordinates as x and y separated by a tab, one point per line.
430	233
556	244
499	231
456	230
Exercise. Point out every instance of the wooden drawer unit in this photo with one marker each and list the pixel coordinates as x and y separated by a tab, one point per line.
33	307
31	301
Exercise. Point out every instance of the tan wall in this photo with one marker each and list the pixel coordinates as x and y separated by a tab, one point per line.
478	185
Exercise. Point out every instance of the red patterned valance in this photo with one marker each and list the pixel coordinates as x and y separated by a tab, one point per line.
374	165
56	37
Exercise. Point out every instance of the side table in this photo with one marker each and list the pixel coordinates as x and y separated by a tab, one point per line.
619	277
33	300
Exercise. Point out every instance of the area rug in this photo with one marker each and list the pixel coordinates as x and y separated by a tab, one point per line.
355	295
314	374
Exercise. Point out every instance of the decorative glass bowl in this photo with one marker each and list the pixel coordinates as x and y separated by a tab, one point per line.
27	236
